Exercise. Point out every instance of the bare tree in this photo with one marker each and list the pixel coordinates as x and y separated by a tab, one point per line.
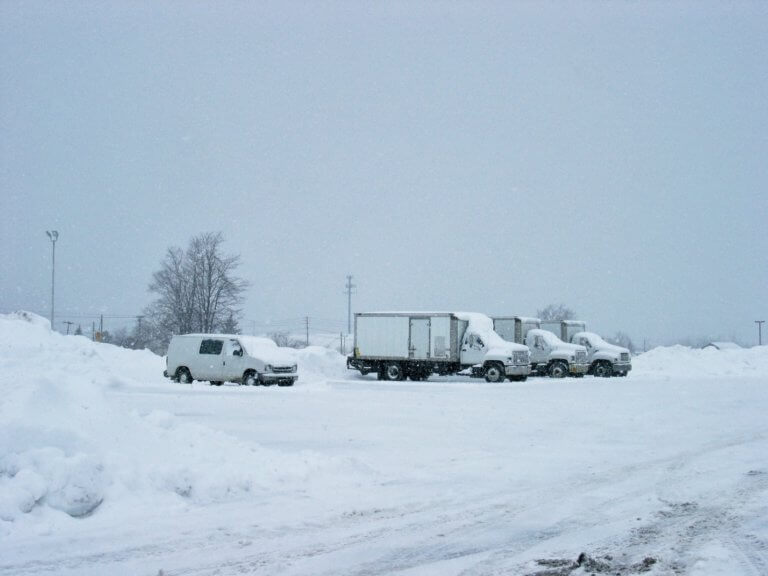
283	339
623	340
554	312
197	290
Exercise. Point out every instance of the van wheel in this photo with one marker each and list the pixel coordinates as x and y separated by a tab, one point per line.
494	373
250	378
183	376
558	369
604	370
393	371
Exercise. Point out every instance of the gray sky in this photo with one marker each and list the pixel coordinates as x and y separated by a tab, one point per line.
494	157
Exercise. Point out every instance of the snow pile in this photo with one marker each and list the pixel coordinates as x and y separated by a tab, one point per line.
317	363
685	362
68	445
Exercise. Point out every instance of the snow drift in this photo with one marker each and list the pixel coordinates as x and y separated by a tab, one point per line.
66	446
685	362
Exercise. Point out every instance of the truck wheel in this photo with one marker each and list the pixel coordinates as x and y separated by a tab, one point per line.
250	378
558	369
604	370
183	376
494	373
393	371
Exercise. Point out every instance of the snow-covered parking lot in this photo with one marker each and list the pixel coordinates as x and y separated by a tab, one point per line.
108	468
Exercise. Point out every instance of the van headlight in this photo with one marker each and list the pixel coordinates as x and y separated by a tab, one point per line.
294	368
268	368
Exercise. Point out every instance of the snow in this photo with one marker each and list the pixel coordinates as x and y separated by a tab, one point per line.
552	340
106	467
598	342
482	325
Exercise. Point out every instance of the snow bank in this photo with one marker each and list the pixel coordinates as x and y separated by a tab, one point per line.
67	445
684	362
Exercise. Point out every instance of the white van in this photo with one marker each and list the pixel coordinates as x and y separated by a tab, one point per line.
229	358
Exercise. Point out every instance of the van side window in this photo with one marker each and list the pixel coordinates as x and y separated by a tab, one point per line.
211	346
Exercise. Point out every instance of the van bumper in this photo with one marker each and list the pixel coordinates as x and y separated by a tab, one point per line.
281	379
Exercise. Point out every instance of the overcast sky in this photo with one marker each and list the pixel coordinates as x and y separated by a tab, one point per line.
492	157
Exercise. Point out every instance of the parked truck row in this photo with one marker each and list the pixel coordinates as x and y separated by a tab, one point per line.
400	345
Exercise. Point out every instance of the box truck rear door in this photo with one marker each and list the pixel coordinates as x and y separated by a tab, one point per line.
419	344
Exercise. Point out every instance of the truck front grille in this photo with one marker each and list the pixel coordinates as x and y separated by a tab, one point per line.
521	357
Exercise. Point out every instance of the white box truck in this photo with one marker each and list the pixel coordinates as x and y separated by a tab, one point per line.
605	359
399	345
550	356
221	358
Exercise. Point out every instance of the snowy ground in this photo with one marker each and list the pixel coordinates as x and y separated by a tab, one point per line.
107	468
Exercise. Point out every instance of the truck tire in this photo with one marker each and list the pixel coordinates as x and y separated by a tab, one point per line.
183	376
394	371
494	372
604	370
558	369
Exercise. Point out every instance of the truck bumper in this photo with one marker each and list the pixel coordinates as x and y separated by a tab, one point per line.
517	369
578	368
364	366
622	367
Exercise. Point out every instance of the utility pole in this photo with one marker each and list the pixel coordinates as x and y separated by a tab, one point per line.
68	323
349	287
759	331
53	235
306	322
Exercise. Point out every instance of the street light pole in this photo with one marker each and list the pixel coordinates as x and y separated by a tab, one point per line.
759	331
53	235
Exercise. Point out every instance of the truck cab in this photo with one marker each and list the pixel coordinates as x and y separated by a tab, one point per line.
552	357
604	359
484	351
